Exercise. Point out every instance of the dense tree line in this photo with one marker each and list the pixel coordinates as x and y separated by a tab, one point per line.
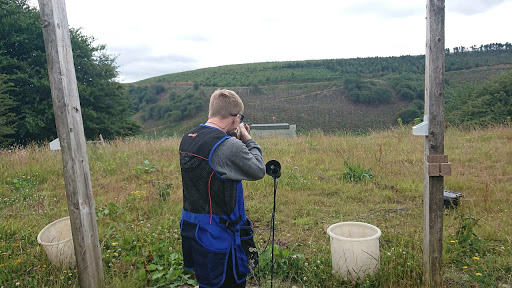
481	48
244	75
141	96
174	107
481	105
409	87
26	97
367	91
6	117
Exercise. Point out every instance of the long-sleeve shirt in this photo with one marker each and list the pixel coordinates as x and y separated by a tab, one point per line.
236	160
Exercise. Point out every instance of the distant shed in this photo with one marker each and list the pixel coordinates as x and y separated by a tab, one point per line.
272	130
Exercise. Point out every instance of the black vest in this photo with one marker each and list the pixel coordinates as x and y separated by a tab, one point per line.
204	192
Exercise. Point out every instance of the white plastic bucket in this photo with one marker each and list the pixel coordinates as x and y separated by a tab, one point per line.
57	240
354	249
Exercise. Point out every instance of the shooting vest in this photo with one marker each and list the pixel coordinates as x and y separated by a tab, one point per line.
213	224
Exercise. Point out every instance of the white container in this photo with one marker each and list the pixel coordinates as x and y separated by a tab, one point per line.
354	249
57	240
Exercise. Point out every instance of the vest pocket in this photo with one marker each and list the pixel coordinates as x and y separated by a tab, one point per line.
210	266
247	241
208	261
214	238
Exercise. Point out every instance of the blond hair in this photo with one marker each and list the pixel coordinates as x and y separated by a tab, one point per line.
225	102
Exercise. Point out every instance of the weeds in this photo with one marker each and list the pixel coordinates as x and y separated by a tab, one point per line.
466	244
474	256
138	206
355	173
164	189
288	264
145	168
110	209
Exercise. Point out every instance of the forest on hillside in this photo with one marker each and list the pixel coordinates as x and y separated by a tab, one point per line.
393	85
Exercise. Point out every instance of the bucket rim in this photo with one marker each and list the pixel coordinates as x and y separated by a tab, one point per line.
46	227
332	235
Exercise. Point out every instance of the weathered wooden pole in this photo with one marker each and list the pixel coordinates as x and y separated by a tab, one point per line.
436	165
68	118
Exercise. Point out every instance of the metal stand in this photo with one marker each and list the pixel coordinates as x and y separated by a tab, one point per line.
273	168
273	229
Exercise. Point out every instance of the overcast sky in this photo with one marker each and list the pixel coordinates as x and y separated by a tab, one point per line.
156	37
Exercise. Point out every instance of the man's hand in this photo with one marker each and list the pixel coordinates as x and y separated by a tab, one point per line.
243	132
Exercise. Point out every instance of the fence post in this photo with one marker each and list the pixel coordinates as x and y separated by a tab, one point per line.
434	144
68	119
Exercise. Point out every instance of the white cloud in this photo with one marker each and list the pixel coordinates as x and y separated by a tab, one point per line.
476	6
156	37
138	63
387	9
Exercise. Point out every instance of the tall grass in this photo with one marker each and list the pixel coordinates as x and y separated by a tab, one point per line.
137	189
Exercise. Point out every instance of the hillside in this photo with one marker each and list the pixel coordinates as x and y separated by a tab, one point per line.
333	95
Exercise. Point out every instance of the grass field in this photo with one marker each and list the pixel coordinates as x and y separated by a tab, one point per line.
137	189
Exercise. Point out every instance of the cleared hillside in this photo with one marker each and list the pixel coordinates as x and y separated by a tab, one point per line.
338	95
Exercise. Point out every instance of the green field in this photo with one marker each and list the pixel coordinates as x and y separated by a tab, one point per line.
137	189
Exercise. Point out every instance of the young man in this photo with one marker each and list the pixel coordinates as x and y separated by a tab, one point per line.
214	228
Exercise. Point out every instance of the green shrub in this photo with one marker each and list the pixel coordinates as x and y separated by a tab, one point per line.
356	173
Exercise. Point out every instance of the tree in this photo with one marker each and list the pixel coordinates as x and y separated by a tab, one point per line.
23	60
382	94
7	119
409	114
105	110
489	104
405	93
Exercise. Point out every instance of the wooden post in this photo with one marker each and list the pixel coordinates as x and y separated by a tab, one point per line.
434	144
68	118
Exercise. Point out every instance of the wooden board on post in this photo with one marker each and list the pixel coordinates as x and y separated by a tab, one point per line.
68	119
434	144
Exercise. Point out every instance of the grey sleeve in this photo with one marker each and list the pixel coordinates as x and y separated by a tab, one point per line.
236	160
